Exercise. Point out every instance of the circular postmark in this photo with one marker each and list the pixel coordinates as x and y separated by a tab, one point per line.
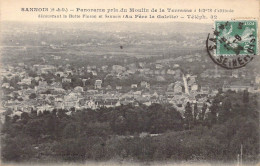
233	44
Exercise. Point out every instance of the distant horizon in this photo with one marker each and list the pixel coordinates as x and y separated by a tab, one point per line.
69	22
179	27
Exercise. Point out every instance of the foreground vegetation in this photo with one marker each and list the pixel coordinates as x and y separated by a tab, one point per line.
143	133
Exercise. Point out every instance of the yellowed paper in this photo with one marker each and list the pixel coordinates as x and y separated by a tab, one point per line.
129	82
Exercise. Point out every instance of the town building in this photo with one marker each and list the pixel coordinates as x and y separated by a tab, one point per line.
98	84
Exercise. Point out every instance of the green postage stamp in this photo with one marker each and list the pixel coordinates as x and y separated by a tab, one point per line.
234	43
236	37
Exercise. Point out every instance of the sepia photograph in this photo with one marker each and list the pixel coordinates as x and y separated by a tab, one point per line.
129	92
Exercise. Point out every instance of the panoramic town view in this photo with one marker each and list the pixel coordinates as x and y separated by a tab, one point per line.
124	92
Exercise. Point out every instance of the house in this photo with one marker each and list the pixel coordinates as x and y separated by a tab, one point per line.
131	71
154	99
235	73
194	87
89	68
170	86
204	89
57	57
108	87
91	92
94	73
43	86
90	104
254	89
151	72
235	87
170	93
104	68
170	72
160	78
127	95
13	105
98	84
157	72
191	99
37	78
68	80
158	66
127	101
56	91
45	107
111	103
69	72
56	85
191	80
177	87
59	74
163	72
28	91
205	74
257	79
146	95
118	87
5	85
145	70
26	81
47	69
155	94
176	65
84	81
134	86
93	67
142	99
70	100
21	64
58	102
189	59
137	93
145	84
193	93
178	74
214	92
118	68
78	89
148	103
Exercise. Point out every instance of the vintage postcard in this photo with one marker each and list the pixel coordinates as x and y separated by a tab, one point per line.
129	82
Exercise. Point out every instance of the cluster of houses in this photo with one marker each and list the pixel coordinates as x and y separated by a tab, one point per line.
48	96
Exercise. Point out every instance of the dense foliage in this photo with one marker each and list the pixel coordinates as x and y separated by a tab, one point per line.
143	133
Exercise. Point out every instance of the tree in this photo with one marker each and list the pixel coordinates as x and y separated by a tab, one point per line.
188	114
15	118
5	80
25	117
17	149
203	111
32	96
34	128
225	110
51	125
245	96
14	81
11	151
40	114
71	130
213	112
131	121
71	149
34	113
195	112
